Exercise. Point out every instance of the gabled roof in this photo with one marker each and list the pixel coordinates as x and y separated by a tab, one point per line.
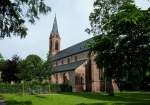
77	48
68	67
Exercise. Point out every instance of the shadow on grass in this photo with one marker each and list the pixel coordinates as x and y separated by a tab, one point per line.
13	102
129	98
113	104
40	96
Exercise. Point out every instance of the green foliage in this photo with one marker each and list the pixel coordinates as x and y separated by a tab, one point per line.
2	62
14	14
9	69
122	44
34	68
47	68
24	71
30	68
103	9
1	57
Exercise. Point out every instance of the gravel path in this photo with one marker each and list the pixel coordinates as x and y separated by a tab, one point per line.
2	102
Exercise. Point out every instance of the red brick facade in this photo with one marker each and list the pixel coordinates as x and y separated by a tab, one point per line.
84	77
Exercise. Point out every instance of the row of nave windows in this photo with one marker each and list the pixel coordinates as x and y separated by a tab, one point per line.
71	59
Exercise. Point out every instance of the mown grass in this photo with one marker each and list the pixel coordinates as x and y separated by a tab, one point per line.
125	98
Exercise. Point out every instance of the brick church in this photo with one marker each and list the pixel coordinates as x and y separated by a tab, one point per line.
75	65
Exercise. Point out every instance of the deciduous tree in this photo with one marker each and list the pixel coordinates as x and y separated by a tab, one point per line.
30	68
10	69
14	14
122	44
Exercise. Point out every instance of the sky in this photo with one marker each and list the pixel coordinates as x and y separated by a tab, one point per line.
72	19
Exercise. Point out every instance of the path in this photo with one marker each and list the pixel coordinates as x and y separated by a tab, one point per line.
2	102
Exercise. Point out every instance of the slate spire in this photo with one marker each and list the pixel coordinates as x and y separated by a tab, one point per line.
54	39
55	27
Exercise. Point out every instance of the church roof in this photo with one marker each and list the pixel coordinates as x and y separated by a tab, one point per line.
68	67
77	48
55	27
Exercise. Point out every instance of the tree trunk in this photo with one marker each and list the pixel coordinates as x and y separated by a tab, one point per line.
110	87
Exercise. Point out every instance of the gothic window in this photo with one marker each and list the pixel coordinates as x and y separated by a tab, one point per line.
56	45
56	78
65	80
79	80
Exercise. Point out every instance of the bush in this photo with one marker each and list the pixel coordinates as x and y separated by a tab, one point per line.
145	84
65	88
128	86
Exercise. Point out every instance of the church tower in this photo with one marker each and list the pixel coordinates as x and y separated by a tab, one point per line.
54	39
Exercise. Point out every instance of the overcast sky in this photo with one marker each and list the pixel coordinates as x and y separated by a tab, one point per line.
72	18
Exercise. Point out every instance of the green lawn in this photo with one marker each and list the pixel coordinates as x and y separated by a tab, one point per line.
128	98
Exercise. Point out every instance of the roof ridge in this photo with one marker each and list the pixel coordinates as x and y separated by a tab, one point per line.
75	45
74	49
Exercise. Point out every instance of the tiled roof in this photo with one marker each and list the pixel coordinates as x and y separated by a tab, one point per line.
68	67
80	47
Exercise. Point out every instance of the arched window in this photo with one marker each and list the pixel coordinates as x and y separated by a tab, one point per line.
65	79
81	80
56	78
62	61
56	45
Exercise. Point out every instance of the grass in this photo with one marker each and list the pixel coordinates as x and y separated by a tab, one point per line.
125	98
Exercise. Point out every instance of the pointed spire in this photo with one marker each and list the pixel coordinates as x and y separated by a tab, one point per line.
55	27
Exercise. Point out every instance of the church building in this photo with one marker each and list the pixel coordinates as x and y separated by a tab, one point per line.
74	65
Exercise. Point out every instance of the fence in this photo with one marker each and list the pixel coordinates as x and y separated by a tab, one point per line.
34	88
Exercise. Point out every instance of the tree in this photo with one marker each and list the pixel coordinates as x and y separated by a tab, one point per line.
131	32
2	63
24	71
34	68
103	42
103	9
122	41
1	57
47	68
10	69
14	14
30	68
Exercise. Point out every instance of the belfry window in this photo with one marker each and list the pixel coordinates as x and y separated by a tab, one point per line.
50	44
56	45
